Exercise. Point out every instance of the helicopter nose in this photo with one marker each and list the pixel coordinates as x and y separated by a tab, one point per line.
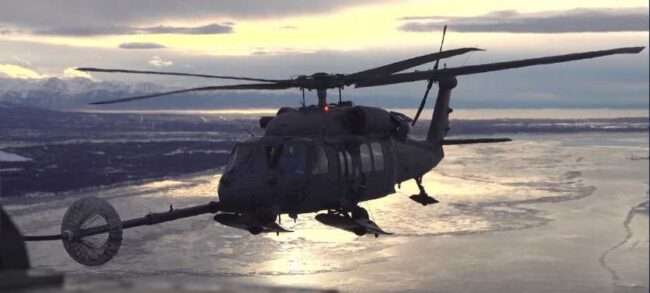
226	191
239	193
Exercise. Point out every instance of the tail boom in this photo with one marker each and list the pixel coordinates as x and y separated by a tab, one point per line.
440	119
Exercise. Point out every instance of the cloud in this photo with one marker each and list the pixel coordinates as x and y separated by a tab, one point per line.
44	14
138	45
157	61
510	21
206	29
82	31
19	72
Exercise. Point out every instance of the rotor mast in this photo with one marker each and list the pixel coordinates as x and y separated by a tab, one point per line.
322	97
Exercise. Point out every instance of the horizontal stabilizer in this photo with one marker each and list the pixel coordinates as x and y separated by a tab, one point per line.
475	140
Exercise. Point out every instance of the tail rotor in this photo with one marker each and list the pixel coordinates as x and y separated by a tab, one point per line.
430	81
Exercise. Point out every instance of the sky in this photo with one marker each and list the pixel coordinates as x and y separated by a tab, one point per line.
285	38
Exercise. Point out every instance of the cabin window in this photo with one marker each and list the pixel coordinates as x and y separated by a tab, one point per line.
272	153
320	163
292	159
345	163
348	161
366	158
378	155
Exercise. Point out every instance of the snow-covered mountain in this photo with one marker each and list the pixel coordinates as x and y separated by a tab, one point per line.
76	93
58	93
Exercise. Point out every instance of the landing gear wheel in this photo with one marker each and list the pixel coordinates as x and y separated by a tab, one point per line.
360	231
265	215
255	230
88	213
422	198
359	213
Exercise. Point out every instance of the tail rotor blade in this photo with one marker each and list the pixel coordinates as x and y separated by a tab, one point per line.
422	103
430	83
444	32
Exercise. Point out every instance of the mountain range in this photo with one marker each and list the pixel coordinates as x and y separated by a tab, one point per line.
76	93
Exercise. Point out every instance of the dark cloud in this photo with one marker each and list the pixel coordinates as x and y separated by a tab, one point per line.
510	21
44	14
206	29
214	28
137	45
82	31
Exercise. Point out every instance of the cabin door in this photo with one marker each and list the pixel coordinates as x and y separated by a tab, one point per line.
292	165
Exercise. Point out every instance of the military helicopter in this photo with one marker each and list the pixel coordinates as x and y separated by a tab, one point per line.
325	157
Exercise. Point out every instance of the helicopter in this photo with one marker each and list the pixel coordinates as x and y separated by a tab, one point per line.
324	158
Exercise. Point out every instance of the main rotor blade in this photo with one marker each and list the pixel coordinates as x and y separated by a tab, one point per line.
473	69
207	88
408	63
109	70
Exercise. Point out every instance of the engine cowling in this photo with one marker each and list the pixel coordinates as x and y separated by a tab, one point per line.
337	120
369	120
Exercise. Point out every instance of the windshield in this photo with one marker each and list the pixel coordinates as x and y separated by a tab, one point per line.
288	158
241	154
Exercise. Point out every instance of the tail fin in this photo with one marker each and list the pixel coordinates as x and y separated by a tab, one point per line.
440	120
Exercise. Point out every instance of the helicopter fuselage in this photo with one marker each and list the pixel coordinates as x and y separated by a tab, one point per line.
331	160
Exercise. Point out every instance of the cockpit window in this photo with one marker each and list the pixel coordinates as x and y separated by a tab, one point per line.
320	164
240	154
232	159
293	159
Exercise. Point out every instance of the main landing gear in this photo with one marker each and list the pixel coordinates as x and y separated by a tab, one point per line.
356	221
422	198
